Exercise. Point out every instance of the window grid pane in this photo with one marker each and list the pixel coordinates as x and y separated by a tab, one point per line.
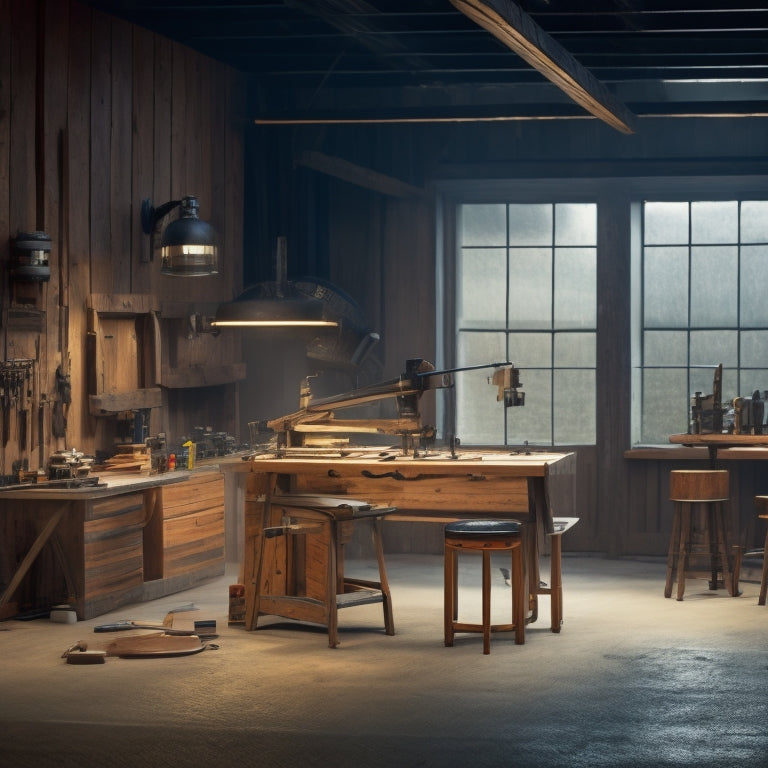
702	305
549	292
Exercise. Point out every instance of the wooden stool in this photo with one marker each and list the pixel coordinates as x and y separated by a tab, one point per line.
484	536
299	571
707	490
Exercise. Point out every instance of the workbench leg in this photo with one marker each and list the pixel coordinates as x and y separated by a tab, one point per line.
764	577
33	552
386	597
556	579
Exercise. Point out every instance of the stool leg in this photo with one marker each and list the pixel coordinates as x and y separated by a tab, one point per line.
724	555
518	595
486	602
713	540
674	543
764	578
682	554
449	595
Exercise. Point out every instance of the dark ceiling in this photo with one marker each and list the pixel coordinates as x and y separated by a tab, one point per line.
425	59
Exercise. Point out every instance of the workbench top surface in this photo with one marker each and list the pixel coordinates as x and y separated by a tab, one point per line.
109	485
491	462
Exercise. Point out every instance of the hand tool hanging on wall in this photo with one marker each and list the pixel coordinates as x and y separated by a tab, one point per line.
61	406
14	378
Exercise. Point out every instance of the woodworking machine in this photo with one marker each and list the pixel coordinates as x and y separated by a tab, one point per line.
315	426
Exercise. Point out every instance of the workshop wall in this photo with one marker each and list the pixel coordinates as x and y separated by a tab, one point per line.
95	116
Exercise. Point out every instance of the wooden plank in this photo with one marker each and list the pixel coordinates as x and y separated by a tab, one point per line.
101	151
185	378
75	268
117	402
507	22
142	157
123	303
358	175
120	161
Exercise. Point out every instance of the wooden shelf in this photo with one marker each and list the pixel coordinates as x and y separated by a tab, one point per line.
199	376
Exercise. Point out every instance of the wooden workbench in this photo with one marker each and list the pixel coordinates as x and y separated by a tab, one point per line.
533	487
99	547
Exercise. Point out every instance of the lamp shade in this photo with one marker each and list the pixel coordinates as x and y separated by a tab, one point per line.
271	305
188	245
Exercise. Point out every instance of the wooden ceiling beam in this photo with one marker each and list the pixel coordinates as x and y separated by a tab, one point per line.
507	22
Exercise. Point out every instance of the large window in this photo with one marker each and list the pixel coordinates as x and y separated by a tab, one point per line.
526	293
702	266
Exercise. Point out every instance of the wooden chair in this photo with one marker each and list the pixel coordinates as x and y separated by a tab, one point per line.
484	536
703	491
300	563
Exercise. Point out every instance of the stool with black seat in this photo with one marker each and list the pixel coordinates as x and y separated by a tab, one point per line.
699	529
486	537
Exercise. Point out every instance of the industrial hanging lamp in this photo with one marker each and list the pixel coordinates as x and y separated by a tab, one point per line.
278	304
188	245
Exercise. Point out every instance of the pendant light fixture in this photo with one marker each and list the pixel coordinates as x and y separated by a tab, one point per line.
278	304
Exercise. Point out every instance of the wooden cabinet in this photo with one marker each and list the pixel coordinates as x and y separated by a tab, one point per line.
100	548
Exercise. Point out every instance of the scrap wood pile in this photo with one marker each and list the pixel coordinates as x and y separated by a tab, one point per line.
129	458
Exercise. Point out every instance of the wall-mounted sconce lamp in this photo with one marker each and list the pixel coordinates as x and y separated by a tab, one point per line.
29	258
188	245
280	304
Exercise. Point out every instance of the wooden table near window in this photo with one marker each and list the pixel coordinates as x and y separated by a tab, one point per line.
727	447
533	488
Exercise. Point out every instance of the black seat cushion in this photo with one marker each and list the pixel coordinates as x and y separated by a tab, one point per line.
482	528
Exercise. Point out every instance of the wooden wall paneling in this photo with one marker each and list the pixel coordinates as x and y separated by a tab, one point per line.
162	161
56	54
179	129
5	139
101	153
22	117
6	97
74	271
409	287
121	161
142	154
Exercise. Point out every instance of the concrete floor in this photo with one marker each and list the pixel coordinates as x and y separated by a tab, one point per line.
633	679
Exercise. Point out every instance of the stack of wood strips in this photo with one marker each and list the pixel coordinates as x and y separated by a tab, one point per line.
129	458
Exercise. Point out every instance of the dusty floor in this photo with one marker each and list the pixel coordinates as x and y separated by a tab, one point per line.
633	679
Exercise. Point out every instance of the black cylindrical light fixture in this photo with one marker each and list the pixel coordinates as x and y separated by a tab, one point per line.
188	247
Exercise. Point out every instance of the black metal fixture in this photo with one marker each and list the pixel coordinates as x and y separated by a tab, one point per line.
278	304
29	259
188	245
